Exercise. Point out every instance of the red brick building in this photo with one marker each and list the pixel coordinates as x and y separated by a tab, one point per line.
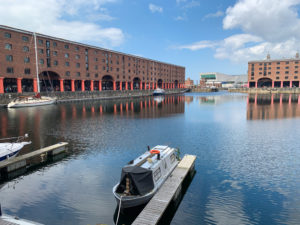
70	66
274	72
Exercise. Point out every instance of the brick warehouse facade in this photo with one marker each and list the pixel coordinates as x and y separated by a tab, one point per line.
274	73
70	66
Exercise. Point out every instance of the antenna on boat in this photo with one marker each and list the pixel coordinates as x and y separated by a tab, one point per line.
148	148
36	64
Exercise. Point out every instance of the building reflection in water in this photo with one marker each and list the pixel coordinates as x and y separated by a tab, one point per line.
273	106
38	122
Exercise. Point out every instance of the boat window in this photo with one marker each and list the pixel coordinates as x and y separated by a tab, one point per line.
172	157
157	174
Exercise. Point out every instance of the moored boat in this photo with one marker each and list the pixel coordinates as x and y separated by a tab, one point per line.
29	101
11	149
159	91
143	177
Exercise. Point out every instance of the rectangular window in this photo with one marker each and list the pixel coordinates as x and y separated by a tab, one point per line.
67	63
286	77
25	38
278	68
47	44
77	48
286	72
296	67
295	77
103	68
296	71
78	74
269	72
296	62
66	55
7	35
278	63
8	46
117	69
96	67
55	53
67	73
96	59
48	52
66	46
287	62
77	65
41	61
287	67
55	63
9	58
41	51
277	72
77	56
277	78
27	70
88	75
157	174
96	75
25	49
26	60
40	42
9	70
54	44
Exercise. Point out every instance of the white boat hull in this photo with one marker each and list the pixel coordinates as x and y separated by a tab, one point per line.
30	103
10	150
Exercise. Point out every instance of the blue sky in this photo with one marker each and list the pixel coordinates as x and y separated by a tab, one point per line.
202	35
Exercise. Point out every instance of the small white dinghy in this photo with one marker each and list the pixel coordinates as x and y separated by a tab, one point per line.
158	92
143	177
11	149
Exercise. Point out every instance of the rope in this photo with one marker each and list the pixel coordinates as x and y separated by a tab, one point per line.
119	210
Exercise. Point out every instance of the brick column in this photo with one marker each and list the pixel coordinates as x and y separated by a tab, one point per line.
35	89
114	85
256	84
141	85
149	85
92	85
1	85
61	82
121	85
281	84
248	85
19	85
72	85
153	84
82	86
100	85
131	85
126	86
291	84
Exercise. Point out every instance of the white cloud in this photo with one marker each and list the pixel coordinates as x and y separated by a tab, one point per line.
155	8
273	20
180	1
191	4
59	18
214	15
267	26
198	45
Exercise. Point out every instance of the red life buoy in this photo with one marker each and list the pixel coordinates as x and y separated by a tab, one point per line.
154	151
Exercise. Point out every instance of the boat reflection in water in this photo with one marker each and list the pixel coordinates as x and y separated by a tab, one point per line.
275	106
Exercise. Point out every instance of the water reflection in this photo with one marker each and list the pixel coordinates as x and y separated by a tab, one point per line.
275	106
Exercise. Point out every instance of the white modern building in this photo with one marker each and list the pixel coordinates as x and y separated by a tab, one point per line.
223	80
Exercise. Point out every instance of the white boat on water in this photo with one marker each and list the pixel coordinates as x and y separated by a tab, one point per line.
36	100
29	101
11	149
159	91
143	177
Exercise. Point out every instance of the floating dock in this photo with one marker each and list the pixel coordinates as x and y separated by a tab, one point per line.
154	210
23	162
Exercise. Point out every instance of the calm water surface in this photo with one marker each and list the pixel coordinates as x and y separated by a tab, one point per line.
247	147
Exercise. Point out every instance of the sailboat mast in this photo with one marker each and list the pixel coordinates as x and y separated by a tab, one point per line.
36	64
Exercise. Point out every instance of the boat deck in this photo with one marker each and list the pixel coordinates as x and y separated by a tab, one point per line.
154	210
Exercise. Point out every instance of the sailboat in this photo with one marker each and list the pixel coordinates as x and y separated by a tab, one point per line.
37	99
